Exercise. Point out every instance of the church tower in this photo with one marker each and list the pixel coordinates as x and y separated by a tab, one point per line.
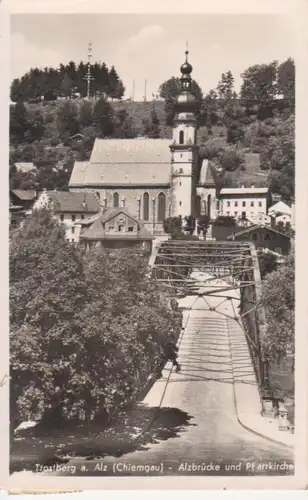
184	148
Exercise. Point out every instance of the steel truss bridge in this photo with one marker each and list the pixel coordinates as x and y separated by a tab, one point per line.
211	268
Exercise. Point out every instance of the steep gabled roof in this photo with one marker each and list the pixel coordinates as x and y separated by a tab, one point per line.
95	230
24	194
125	162
74	201
253	228
206	177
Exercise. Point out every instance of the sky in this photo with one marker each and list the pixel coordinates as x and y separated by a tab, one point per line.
151	47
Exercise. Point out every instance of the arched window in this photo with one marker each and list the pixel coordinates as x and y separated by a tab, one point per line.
146	199
181	140
116	200
209	202
161	211
198	206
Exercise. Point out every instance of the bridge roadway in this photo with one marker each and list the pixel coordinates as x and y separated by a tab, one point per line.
204	389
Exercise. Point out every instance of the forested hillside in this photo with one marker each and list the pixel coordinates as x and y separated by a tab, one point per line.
232	128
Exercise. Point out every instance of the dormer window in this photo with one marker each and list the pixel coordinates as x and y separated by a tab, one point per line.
181	137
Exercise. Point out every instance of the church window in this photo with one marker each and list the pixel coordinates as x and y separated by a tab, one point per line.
161	207
115	200
209	203
181	140
146	200
198	206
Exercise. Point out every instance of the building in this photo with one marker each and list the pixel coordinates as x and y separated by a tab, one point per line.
115	228
152	178
21	202
264	237
245	202
69	209
281	212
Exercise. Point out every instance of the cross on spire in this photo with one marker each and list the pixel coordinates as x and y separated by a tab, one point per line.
186	51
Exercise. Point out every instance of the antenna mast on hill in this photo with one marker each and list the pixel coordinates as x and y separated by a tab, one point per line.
145	91
133	96
88	76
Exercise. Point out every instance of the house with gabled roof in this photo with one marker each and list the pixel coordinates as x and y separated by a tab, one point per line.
115	228
264	237
69	208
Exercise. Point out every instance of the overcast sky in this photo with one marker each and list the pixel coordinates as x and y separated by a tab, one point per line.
152	46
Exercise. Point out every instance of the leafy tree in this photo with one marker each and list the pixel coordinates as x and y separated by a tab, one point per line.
210	110
173	225
152	126
203	224
170	89
278	298
267	263
225	87
85	330
234	119
85	117
66	85
190	224
103	117
123	125
286	82
67	120
259	88
18	122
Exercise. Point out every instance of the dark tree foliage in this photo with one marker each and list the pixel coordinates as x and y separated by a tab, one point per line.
66	81
267	263
152	126
103	118
169	91
86	330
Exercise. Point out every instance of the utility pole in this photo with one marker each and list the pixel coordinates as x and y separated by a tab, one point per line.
145	91
133	95
88	76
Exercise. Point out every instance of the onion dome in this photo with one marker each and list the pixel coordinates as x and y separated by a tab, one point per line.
186	101
186	68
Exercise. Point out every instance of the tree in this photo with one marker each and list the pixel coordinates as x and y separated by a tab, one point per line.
173	225
267	263
103	118
86	331
234	119
286	82
278	156
116	88
203	224
85	117
278	298
123	125
67	120
66	86
170	89
225	87
18	122
36	127
152	126
259	88
210	110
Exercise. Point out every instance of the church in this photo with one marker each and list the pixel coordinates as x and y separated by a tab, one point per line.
152	179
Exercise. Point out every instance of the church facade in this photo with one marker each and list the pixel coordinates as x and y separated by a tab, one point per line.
153	178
